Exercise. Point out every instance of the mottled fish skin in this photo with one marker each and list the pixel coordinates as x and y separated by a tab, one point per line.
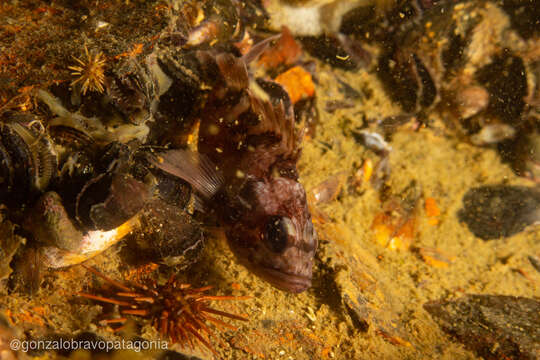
247	132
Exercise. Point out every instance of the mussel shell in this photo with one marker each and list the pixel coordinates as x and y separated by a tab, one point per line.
181	98
277	94
407	80
18	163
77	153
71	138
126	93
50	224
28	161
506	81
109	200
495	211
168	235
6	172
171	189
44	157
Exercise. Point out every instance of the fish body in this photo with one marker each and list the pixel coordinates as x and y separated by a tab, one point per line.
245	172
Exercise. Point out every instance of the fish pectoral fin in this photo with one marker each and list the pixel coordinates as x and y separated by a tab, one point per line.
195	168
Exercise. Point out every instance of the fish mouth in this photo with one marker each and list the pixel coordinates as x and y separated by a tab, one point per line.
286	281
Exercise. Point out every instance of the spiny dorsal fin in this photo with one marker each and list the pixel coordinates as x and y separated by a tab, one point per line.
278	119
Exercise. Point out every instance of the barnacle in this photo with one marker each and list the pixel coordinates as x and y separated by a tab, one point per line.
90	73
177	311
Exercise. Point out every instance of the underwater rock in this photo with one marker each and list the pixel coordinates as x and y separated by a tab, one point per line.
496	211
494	326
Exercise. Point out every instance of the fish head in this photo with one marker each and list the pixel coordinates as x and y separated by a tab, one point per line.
275	239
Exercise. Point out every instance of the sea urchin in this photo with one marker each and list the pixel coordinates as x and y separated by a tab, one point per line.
179	312
90	73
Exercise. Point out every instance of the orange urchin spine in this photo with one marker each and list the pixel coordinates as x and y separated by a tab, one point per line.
176	310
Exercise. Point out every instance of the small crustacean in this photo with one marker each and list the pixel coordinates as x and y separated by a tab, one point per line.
178	311
245	172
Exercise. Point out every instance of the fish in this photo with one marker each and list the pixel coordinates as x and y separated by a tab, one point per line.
244	173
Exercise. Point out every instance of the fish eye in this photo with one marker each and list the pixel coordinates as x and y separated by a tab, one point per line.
277	231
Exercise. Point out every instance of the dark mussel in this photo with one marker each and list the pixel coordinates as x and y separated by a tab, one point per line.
121	196
168	235
61	241
150	202
407	80
113	195
96	185
77	153
50	224
28	160
495	211
131	92
480	85
181	91
109	200
170	189
91	208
